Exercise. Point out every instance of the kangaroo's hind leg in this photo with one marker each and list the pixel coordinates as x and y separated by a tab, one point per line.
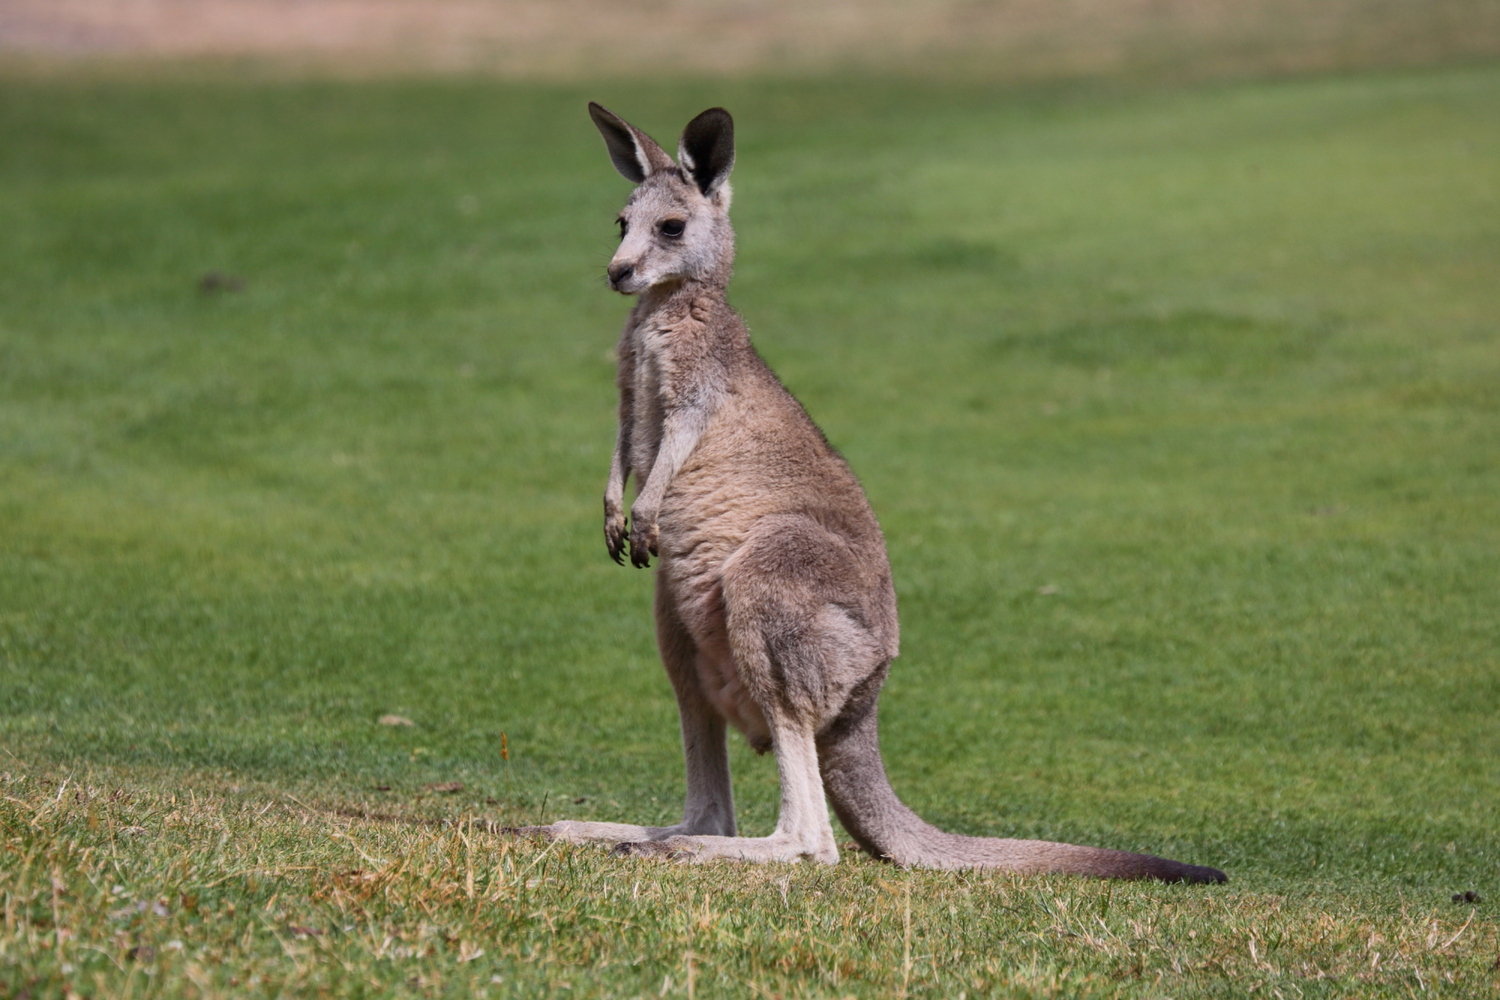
798	654
709	808
802	826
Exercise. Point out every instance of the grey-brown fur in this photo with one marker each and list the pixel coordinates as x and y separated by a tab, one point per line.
775	611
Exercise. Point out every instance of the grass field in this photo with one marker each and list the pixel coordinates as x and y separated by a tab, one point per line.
1180	408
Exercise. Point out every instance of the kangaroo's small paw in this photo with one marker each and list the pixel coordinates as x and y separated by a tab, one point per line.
614	533
644	535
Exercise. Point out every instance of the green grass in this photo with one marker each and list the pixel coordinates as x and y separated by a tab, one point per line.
1181	410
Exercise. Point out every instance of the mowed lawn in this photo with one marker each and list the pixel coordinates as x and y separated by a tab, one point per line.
1180	409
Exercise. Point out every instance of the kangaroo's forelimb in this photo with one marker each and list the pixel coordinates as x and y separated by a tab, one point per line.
619	463
681	429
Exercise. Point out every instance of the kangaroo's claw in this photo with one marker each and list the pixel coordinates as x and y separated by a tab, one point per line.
642	544
614	531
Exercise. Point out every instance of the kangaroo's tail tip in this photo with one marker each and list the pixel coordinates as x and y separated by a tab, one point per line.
1198	874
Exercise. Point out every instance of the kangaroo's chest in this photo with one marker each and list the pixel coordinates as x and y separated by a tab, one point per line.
665	376
648	410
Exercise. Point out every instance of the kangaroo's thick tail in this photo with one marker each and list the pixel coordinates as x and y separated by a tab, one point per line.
854	778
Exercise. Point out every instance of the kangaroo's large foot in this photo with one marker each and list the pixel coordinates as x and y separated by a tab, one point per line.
578	832
777	847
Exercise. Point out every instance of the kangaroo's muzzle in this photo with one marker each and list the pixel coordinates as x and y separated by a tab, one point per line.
619	274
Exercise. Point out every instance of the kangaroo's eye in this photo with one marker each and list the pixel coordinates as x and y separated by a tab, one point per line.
623	227
672	227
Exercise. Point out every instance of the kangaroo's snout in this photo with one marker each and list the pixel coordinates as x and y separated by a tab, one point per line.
619	273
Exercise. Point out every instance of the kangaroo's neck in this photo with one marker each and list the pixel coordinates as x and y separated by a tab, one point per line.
680	295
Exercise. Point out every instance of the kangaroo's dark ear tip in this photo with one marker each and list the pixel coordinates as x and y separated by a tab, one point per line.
715	116
602	116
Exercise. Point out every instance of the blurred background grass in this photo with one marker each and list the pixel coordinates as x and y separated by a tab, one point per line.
569	39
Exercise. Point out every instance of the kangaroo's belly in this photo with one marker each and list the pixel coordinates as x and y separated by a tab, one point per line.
719	676
696	540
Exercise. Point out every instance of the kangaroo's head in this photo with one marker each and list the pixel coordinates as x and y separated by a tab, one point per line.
675	226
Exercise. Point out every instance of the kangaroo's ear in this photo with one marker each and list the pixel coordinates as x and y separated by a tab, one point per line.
707	149
634	153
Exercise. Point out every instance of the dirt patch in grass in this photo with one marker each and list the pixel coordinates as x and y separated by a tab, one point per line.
1006	38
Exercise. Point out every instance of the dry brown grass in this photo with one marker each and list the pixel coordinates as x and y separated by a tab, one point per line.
559	38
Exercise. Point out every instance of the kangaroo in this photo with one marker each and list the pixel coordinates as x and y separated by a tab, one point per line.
775	611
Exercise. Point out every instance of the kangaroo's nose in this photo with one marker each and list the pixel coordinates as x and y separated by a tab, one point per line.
619	272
